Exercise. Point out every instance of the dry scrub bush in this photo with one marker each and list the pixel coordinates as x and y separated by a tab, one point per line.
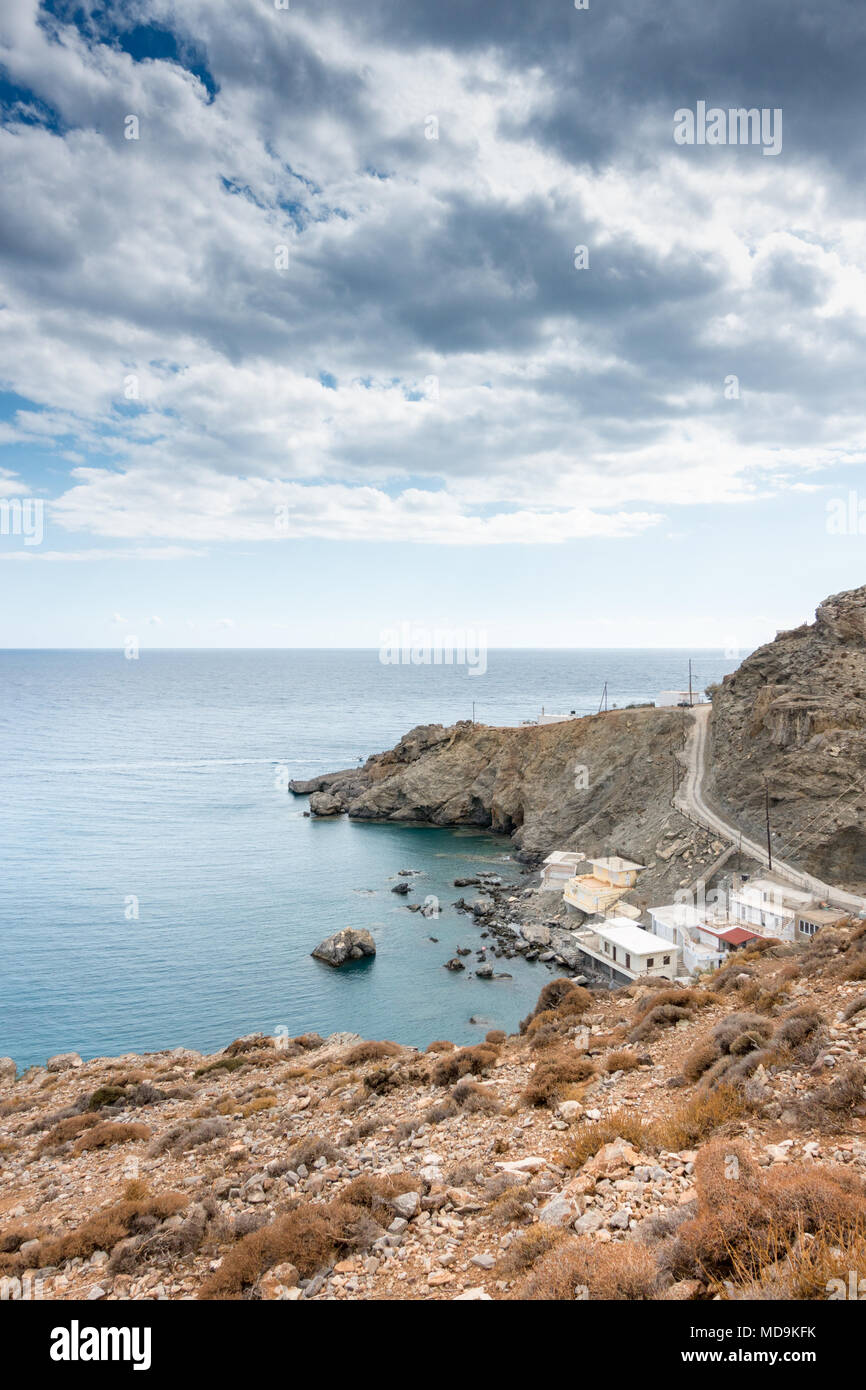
495	1036
811	1268
14	1236
845	1095
101	1231
526	1248
377	1191
662	1016
624	1060
702	1056
561	998
475	1060
621	1271
855	1007
475	1098
698	1119
188	1134
65	1130
308	1236
749	1218
371	1052
102	1136
510	1206
309	1150
441	1046
252	1044
552	1073
679	998
592	1137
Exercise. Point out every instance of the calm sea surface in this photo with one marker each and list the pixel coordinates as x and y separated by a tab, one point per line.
157	787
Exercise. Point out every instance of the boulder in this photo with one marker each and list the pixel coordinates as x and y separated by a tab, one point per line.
325	804
345	945
64	1061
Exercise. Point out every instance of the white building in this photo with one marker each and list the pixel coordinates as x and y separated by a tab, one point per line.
775	908
627	950
703	938
559	867
668	698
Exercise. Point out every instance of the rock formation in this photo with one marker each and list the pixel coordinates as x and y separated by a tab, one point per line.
793	718
348	944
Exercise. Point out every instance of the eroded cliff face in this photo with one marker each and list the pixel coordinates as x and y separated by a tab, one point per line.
794	713
599	784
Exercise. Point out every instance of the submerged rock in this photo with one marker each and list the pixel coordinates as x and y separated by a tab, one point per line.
348	944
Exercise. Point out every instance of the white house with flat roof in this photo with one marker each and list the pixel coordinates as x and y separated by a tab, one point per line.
559	867
627	950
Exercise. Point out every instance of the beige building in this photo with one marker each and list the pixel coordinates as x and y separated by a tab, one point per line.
597	892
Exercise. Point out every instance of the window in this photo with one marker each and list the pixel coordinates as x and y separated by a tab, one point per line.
807	928
666	960
627	961
651	960
607	948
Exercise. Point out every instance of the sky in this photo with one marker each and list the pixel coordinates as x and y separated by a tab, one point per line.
320	318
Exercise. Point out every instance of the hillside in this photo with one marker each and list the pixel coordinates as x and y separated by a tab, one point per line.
793	717
651	1143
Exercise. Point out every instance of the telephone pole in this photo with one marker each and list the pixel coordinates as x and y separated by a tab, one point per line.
767	812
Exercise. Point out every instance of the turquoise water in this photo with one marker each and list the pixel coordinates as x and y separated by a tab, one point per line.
157	787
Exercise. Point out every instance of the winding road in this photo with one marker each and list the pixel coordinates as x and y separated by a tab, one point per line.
689	800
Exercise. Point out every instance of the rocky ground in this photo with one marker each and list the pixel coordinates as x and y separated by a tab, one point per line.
639	1143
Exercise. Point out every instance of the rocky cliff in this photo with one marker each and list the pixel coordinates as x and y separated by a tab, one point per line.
793	718
600	784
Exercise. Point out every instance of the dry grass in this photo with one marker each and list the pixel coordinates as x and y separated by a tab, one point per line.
64	1131
308	1236
189	1134
592	1137
855	1007
102	1136
623	1060
825	1107
698	1119
371	1052
475	1098
465	1061
555	1071
101	1231
440	1046
749	1218
562	1000
526	1248
512	1204
575	1268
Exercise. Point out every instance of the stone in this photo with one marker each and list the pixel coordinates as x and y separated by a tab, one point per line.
277	1281
613	1160
325	804
406	1205
591	1221
345	945
683	1290
8	1071
484	1261
561	1210
64	1061
477	1295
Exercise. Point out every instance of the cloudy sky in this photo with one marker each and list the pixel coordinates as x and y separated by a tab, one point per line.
297	341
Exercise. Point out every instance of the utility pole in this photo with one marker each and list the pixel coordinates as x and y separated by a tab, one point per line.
767	810
603	701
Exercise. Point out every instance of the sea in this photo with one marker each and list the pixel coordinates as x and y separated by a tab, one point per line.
161	887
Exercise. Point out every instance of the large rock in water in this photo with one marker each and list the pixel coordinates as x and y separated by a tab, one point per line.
344	945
